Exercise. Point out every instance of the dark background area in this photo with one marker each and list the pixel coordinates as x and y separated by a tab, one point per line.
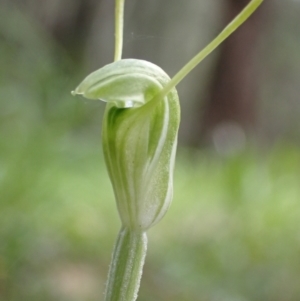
232	232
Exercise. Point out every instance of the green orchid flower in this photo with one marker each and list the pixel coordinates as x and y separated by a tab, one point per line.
139	137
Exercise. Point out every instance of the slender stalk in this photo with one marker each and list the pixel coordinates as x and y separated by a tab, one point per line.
126	268
119	21
227	31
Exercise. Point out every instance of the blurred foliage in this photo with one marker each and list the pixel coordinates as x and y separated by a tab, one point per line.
231	233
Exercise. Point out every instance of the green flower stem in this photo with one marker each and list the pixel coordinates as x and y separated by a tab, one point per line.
119	21
127	265
227	31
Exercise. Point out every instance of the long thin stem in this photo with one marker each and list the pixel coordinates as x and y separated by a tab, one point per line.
228	30
126	268
119	21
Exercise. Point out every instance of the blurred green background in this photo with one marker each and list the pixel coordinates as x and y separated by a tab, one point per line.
232	232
